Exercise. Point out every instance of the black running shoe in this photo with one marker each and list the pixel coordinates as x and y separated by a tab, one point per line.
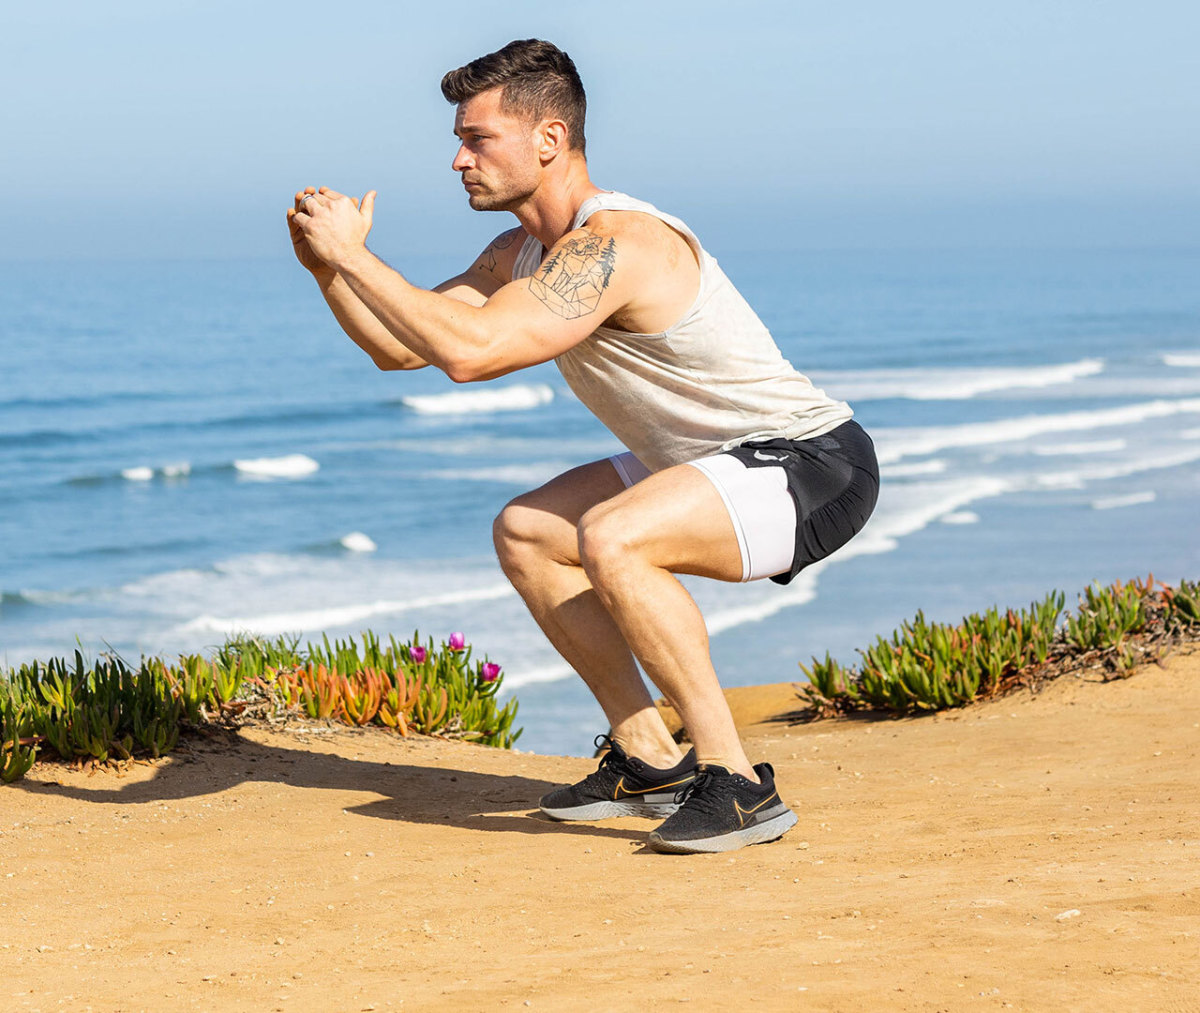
720	811
621	786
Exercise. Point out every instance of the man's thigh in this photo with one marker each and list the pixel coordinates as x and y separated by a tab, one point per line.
675	519
550	514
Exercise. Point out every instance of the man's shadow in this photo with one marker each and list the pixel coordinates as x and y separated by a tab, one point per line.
414	794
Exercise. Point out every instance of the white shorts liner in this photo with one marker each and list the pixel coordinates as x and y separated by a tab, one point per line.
759	505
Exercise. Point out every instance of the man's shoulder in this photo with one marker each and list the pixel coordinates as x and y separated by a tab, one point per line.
636	234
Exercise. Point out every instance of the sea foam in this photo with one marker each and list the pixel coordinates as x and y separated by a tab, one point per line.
356	541
893	444
1116	502
951	383
517	397
317	620
289	466
1187	360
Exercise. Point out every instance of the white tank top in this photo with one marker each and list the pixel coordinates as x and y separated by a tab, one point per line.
712	381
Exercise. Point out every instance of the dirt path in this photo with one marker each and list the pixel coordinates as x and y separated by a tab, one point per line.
1037	853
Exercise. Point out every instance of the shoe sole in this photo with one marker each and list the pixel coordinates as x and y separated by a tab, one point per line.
607	810
760	833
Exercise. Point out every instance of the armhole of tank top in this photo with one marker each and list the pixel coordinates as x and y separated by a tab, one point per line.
527	261
672	223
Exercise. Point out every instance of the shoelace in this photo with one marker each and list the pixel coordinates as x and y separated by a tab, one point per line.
698	785
603	773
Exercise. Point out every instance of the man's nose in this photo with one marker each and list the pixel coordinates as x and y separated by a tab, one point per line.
462	159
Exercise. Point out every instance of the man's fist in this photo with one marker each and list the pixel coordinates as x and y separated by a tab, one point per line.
334	226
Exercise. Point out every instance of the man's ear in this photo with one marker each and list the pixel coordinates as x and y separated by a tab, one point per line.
552	139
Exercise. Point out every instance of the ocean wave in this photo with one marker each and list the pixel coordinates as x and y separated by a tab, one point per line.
952	383
1149	461
1131	499
318	620
288	466
894	444
356	541
1074	449
525	475
960	517
932	467
518	397
1185	360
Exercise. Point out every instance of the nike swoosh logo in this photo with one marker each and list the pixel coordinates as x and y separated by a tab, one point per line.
767	457
743	813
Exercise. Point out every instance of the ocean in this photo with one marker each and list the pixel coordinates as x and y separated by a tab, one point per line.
189	449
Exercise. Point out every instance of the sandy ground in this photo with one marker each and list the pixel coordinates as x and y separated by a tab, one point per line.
1034	853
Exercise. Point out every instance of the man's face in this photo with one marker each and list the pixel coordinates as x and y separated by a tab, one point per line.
498	156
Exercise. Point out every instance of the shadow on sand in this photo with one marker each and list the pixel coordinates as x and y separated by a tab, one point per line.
412	793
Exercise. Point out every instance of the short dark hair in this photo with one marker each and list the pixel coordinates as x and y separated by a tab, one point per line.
538	78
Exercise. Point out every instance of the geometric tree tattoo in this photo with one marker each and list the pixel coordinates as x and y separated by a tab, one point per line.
571	281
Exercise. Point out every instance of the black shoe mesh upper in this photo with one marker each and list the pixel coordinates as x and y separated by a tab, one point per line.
718	802
619	775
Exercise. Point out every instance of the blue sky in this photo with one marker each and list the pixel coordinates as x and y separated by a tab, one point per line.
176	129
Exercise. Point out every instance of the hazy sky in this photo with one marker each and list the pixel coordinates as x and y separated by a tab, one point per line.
171	128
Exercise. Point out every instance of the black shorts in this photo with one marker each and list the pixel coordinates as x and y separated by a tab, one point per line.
834	481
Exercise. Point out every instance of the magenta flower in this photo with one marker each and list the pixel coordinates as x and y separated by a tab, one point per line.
457	641
491	671
417	654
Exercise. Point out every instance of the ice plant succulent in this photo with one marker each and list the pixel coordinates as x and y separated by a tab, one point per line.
490	671
417	653
457	641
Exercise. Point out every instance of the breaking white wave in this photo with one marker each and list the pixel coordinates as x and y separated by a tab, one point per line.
1116	502
517	397
1186	360
1072	449
289	466
951	383
960	517
356	541
932	467
526	475
139	474
1078	478
894	444
318	620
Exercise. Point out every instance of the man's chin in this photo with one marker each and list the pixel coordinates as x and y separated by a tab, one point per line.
486	202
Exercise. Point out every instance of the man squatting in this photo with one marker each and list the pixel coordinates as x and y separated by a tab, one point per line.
737	468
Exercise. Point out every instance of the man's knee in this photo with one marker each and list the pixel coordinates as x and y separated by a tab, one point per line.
521	534
606	540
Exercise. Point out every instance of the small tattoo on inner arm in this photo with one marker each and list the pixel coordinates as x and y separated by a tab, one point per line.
487	259
574	277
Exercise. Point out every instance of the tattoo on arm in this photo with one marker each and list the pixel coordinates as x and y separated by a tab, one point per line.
574	276
487	259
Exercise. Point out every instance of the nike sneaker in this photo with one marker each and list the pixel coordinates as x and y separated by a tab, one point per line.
720	811
621	786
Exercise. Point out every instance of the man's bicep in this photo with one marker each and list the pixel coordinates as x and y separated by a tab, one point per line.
574	291
575	280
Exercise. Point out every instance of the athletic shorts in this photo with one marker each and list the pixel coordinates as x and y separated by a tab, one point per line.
792	502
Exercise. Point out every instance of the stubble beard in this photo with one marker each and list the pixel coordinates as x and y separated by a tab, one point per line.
507	199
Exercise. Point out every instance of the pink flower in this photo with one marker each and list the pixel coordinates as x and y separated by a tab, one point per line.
457	641
490	671
417	654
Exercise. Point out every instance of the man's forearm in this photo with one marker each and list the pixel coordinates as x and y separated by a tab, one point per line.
441	331
363	327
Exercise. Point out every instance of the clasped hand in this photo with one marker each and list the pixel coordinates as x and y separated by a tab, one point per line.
329	228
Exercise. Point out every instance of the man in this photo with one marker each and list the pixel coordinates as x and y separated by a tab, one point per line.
737	467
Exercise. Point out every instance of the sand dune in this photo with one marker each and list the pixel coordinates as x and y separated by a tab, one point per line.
1034	853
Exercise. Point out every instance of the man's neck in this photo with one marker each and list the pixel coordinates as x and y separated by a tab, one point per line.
550	211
